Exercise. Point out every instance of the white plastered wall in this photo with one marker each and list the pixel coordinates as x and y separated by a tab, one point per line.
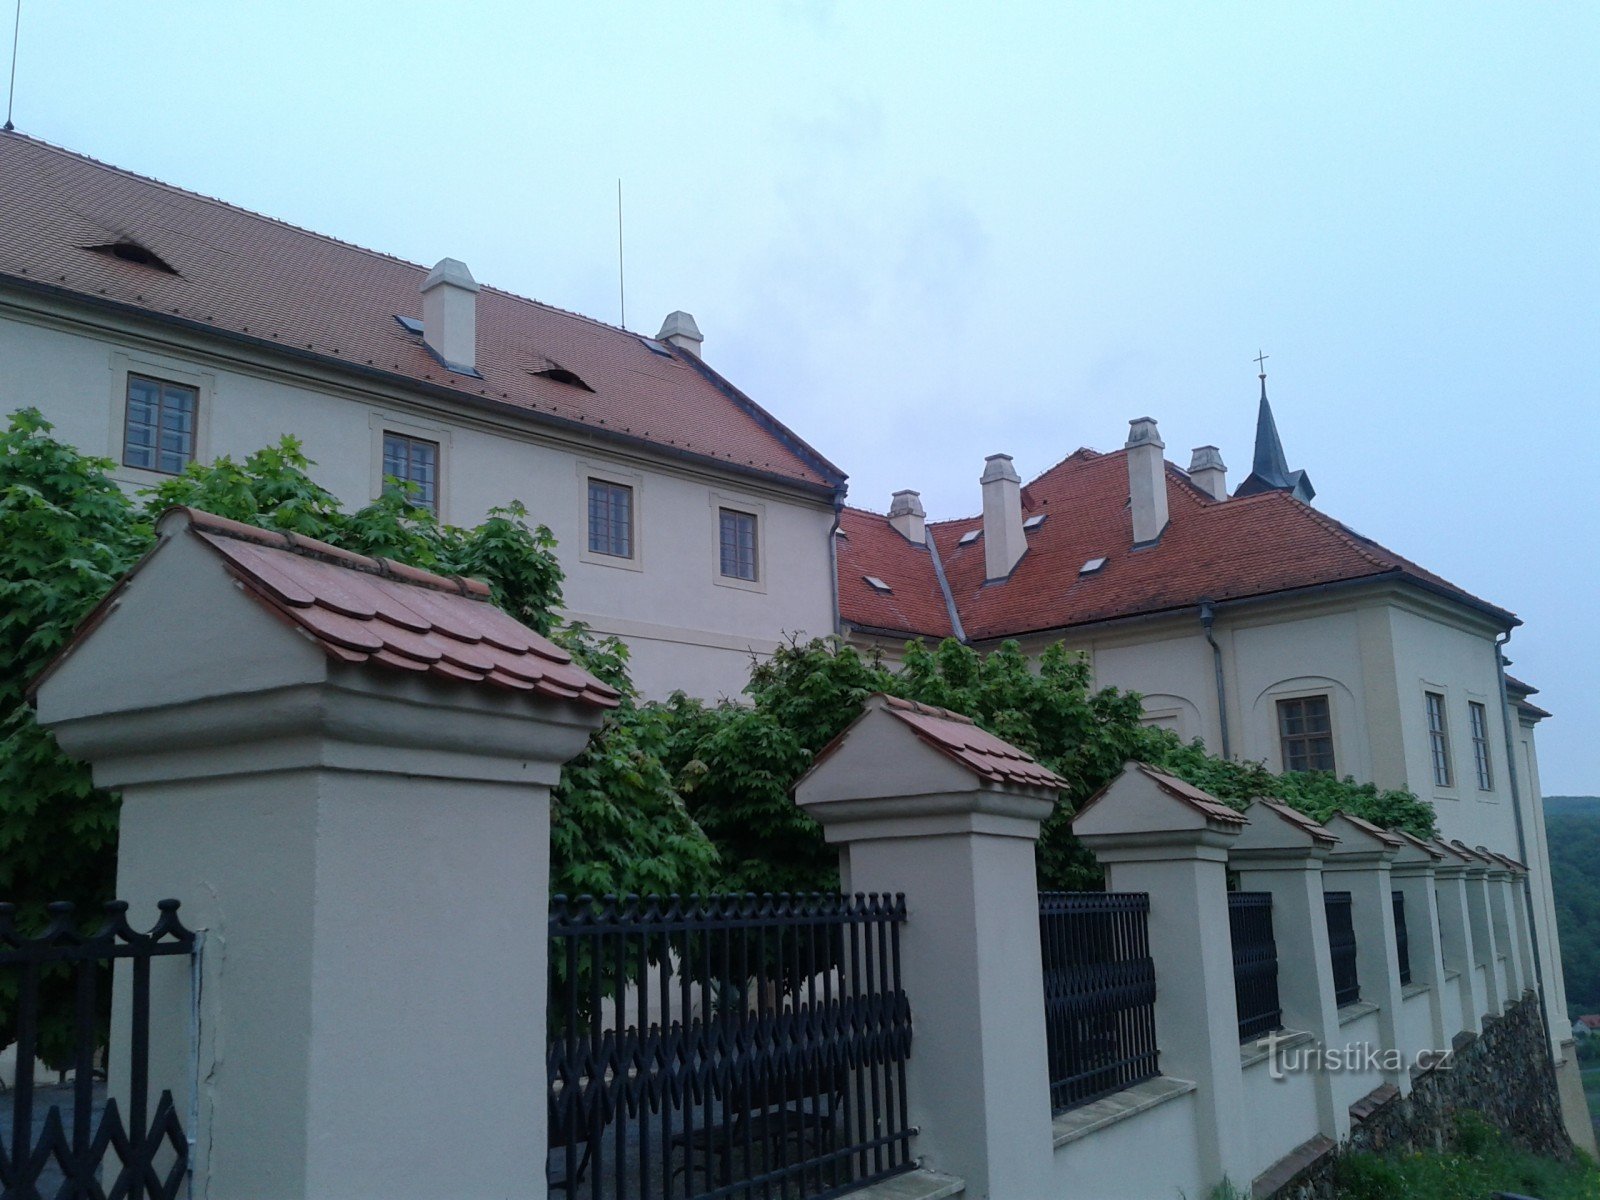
687	627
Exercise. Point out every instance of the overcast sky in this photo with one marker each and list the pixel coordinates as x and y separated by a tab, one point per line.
922	233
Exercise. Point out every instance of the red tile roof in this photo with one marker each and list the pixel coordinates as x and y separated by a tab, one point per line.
1186	793
1238	549
959	738
914	605
242	275
376	610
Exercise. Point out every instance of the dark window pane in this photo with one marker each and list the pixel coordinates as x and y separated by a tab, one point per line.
158	433
610	518
414	461
738	544
1305	734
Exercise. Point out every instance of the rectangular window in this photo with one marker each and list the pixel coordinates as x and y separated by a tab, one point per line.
738	544
1305	732
1438	739
415	461
610	518
159	432
1480	745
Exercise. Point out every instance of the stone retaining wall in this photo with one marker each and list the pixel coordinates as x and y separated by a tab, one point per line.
1505	1074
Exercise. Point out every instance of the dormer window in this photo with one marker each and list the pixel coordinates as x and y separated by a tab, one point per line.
130	251
1033	523
878	585
969	537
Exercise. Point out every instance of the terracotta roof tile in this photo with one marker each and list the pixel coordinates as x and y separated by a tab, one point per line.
1387	836
959	738
1222	550
362	610
245	275
1294	816
1201	801
1417	843
1449	851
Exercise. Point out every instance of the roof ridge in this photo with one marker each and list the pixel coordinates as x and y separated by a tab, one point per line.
1340	530
301	229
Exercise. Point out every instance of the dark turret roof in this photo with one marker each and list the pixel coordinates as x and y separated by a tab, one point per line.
1269	470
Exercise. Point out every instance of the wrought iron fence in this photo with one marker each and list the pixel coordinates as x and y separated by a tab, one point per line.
1342	946
1099	993
1402	939
71	1148
726	1046
1255	964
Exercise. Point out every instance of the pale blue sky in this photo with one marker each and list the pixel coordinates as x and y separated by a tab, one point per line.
922	233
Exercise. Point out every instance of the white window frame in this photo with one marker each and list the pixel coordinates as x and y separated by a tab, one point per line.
1452	784
742	504
605	473
125	363
1482	704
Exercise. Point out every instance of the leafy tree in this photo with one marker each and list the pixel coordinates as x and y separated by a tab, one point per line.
1575	879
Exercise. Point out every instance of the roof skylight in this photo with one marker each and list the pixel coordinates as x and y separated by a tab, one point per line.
1035	522
877	584
656	347
1093	565
410	324
969	537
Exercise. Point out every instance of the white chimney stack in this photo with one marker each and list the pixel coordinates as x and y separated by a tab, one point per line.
907	516
680	330
450	314
1208	472
1147	480
1003	538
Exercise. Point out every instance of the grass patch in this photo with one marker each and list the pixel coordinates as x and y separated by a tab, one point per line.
1479	1164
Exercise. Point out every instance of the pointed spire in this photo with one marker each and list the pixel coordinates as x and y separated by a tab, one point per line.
1269	471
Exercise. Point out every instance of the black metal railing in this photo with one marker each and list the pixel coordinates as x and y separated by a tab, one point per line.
1342	948
1099	993
1402	939
726	1046
1255	964
62	1142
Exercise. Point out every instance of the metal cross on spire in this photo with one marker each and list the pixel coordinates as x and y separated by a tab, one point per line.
1261	362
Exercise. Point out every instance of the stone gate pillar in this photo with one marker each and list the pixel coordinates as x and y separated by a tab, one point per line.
1154	833
1414	874
1456	945
922	801
341	766
1281	852
1360	865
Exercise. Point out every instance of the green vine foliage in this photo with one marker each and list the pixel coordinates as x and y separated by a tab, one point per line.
736	763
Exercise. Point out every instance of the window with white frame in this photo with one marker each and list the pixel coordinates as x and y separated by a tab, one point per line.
1305	733
610	518
1438	740
738	543
159	425
1478	716
415	461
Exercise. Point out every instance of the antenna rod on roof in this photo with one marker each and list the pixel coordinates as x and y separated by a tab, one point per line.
622	289
11	95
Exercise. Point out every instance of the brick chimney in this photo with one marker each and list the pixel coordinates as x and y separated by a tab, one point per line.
680	330
908	517
1208	472
1147	480
450	314
1003	538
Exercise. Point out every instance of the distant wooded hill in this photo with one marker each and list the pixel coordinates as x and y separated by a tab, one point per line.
1572	824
